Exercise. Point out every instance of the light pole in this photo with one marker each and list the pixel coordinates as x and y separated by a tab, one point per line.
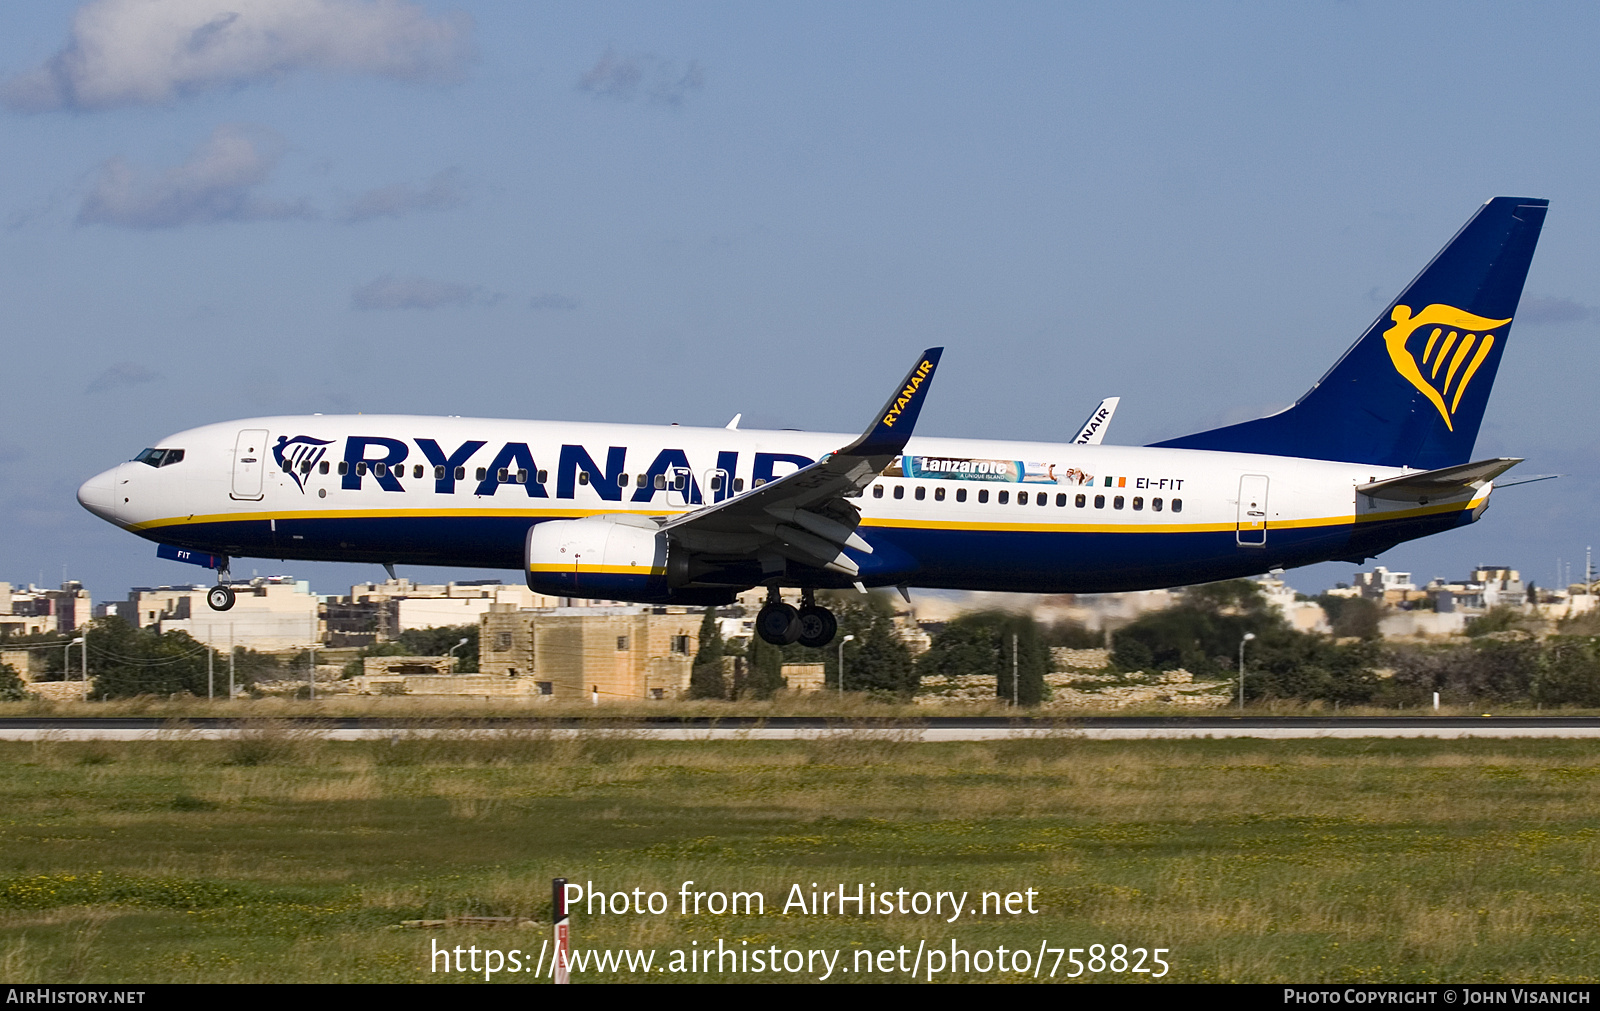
846	639
1247	637
66	663
451	652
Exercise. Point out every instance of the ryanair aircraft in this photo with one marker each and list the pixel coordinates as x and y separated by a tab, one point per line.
1378	452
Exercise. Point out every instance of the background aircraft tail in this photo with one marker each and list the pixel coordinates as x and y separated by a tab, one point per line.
1412	391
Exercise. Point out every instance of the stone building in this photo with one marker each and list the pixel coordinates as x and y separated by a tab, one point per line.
572	653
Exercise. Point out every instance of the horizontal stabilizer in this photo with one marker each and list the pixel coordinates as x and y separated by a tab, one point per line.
1435	484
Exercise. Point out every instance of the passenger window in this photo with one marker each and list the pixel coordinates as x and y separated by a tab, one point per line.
1043	498
961	494
305	468
680	482
738	484
502	475
622	482
361	469
483	472
288	466
378	469
1116	503
644	479
983	495
1155	504
1022	498
544	475
661	482
583	477
1061	498
1003	497
438	472
322	468
877	491
1177	505
461	473
716	481
344	468
922	493
1099	501
1079	501
938	494
522	476
1138	503
899	491
416	471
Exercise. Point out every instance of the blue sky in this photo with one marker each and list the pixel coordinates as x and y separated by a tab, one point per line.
674	212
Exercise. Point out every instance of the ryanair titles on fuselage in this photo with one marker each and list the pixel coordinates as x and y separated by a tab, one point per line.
383	462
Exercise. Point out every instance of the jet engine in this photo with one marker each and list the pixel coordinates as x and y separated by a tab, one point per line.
619	556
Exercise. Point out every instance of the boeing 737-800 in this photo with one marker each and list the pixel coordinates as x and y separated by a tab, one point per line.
1378	452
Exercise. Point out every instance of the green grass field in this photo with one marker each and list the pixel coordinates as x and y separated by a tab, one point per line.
278	858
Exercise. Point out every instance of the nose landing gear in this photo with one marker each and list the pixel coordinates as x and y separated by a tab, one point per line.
220	597
781	624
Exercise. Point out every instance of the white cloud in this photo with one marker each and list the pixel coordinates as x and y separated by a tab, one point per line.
391	292
140	52
120	375
443	192
626	77
217	183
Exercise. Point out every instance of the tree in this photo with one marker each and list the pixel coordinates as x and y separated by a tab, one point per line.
129	661
766	668
1201	633
1351	616
877	660
12	687
981	643
705	677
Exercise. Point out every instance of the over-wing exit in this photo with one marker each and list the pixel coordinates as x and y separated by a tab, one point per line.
1376	453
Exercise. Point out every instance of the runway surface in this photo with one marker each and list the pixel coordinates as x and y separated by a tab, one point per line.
937	728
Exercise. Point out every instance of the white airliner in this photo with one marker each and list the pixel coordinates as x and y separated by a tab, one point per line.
1378	452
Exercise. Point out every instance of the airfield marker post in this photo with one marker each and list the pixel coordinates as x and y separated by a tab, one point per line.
1247	637
558	916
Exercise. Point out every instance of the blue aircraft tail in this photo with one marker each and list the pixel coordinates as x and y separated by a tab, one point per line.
1412	391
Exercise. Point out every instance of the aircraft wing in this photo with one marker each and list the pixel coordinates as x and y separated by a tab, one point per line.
1432	484
805	516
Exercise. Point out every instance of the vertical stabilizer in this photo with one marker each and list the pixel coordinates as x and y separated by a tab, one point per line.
1412	391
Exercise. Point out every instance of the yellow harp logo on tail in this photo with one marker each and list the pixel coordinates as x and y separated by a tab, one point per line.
1457	343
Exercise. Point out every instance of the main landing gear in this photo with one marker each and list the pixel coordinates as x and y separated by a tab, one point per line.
809	625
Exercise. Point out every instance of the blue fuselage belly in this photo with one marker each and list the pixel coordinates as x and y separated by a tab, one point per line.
1043	561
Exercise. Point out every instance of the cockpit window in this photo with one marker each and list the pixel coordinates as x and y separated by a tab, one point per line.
159	457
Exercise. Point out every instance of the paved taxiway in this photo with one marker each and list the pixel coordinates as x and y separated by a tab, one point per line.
938	728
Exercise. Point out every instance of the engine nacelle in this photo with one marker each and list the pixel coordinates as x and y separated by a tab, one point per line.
617	556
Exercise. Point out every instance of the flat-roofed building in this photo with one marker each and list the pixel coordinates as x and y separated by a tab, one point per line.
617	653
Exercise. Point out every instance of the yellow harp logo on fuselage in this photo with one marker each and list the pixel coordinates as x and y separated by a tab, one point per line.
1457	344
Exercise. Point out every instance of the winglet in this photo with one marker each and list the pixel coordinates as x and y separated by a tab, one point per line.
888	434
1094	429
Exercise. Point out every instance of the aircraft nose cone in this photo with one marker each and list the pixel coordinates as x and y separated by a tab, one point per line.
99	495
